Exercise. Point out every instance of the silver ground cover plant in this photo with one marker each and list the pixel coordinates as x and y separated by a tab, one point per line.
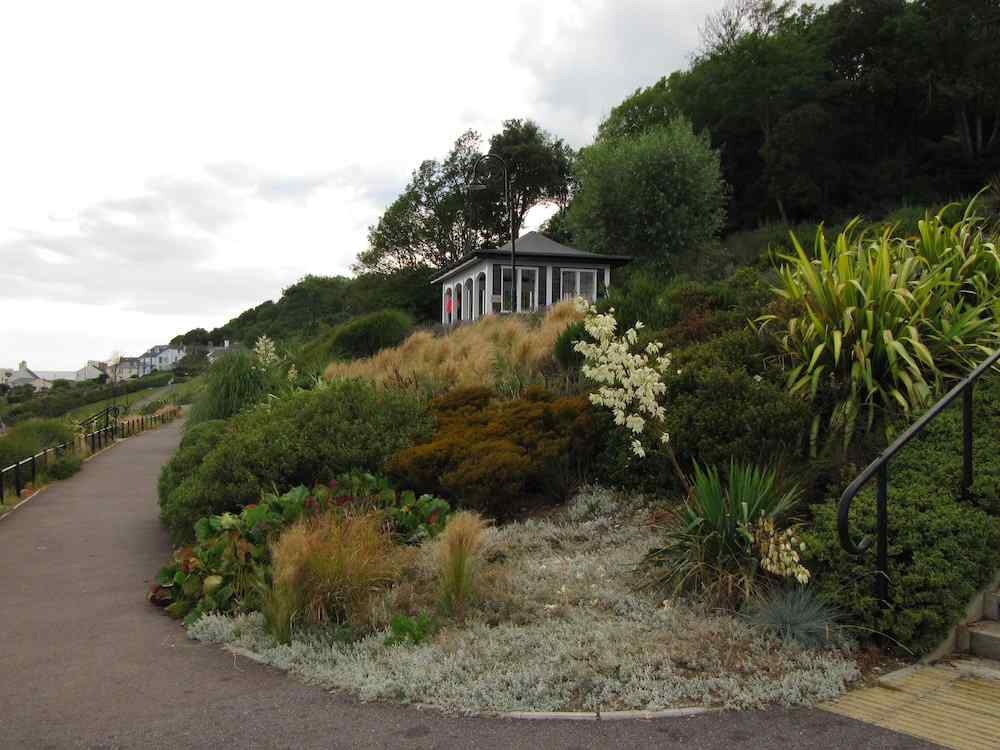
563	627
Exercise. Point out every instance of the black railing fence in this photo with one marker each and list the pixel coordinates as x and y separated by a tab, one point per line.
16	477
880	467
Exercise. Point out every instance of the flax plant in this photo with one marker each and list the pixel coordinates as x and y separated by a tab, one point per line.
882	321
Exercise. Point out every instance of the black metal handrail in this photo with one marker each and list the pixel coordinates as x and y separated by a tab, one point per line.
93	441
880	466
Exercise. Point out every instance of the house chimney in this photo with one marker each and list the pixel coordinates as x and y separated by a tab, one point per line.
22	365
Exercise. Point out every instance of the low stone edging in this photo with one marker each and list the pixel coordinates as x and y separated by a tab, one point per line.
668	713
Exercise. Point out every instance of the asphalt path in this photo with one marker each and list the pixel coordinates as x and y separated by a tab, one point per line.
86	662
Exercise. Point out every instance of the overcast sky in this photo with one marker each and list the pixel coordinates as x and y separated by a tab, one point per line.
164	166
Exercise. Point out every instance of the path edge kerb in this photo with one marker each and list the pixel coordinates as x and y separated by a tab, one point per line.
668	713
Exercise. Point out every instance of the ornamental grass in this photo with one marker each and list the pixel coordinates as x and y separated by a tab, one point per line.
492	349
329	570
459	560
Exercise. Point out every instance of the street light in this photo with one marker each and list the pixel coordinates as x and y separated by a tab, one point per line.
471	186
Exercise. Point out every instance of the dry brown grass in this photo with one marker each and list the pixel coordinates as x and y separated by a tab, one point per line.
467	355
330	569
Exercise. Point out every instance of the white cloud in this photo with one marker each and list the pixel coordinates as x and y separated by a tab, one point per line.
169	165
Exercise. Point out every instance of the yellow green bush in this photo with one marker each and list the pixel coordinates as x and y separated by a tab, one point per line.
499	456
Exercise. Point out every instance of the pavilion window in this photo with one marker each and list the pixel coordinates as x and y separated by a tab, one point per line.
579	282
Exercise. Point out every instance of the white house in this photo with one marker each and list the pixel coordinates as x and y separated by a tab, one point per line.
23	376
547	272
93	369
160	357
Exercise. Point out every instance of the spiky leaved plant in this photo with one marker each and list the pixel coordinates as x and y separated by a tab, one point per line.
883	322
708	548
794	613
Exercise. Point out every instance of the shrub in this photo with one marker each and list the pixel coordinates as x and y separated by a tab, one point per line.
368	334
650	196
941	550
406	629
297	439
235	382
498	456
32	436
64	467
458	560
721	412
882	322
718	543
198	441
329	569
686	310
794	614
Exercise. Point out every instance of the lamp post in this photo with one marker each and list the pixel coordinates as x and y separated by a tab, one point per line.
473	185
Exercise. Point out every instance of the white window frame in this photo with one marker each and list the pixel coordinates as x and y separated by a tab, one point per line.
517	286
577	272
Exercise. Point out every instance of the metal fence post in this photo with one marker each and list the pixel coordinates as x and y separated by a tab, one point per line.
882	537
17	480
967	442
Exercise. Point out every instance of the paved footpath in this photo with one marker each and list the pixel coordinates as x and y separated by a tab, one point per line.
86	662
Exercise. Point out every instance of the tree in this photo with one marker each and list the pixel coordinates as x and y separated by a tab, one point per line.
965	68
435	221
194	363
426	225
740	18
194	337
540	168
653	196
644	109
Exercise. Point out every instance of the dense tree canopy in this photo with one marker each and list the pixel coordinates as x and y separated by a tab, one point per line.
653	196
851	107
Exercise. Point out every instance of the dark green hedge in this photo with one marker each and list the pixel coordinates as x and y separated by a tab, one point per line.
942	550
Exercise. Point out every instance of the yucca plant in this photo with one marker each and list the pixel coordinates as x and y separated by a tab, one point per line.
884	322
709	547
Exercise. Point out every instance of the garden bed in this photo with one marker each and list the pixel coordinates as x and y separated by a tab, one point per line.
560	625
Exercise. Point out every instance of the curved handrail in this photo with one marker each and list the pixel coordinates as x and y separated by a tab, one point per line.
844	508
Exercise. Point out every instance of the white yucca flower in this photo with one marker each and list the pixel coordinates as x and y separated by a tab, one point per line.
630	382
265	351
